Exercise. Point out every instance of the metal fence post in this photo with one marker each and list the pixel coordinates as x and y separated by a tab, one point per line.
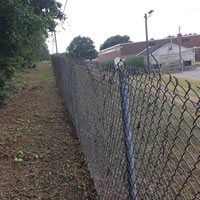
123	75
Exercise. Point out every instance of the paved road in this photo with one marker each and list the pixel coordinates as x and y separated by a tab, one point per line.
193	74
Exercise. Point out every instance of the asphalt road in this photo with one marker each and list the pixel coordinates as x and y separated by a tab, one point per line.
192	74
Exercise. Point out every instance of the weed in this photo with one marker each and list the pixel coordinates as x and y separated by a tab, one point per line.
13	196
11	139
19	157
39	93
29	196
86	172
67	176
35	156
64	140
52	116
19	129
20	154
32	188
81	185
36	114
19	121
68	162
18	160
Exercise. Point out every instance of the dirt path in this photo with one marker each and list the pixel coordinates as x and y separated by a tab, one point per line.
40	156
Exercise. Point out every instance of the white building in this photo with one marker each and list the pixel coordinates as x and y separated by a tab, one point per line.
168	56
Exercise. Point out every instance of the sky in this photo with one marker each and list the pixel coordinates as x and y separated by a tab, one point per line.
101	19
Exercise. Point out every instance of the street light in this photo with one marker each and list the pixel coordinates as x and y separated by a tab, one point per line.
146	30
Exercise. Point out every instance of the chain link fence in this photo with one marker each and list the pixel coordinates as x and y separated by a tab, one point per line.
140	133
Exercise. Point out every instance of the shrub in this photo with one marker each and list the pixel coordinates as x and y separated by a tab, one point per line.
107	64
136	62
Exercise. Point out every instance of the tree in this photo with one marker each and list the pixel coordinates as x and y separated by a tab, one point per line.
24	26
44	52
82	48
117	39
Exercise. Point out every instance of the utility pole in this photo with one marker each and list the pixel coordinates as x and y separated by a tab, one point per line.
180	43
52	44
56	42
65	6
147	40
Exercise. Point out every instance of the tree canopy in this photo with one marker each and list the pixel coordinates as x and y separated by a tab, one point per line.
24	27
117	39
82	48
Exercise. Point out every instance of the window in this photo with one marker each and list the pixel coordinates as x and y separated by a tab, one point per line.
187	63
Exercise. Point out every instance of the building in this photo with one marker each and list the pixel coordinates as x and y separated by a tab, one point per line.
127	49
168	57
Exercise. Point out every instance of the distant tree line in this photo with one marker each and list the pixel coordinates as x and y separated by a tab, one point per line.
24	27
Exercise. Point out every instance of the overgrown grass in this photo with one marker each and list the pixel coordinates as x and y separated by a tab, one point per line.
17	83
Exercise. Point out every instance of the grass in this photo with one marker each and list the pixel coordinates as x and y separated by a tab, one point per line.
45	75
184	86
167	142
198	62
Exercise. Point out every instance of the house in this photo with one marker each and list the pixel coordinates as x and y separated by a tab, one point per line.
168	56
130	48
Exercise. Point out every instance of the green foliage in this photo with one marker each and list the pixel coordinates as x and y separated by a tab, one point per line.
44	55
117	39
107	64
131	61
82	48
24	26
135	61
19	157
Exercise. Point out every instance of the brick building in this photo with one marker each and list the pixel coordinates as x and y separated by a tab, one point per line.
127	49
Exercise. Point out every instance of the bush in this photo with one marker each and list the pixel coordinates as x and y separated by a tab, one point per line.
4	97
107	64
136	62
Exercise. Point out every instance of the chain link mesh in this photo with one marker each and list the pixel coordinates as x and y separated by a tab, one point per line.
163	117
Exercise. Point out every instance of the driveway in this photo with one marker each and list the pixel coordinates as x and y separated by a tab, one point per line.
192	74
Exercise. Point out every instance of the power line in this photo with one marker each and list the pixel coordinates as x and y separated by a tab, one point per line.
65	6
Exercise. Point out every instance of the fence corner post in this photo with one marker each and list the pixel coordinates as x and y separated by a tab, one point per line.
123	77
